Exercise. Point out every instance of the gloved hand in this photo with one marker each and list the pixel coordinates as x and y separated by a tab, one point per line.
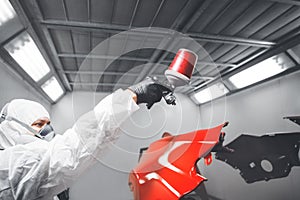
151	91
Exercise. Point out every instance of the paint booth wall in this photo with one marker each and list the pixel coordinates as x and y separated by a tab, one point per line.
257	111
12	87
109	178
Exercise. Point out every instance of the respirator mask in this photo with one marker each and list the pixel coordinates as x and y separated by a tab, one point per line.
46	133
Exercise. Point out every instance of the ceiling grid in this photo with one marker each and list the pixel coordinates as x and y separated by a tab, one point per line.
234	33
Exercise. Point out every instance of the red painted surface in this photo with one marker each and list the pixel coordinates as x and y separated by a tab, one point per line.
167	170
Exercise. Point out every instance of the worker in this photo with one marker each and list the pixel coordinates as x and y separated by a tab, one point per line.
36	165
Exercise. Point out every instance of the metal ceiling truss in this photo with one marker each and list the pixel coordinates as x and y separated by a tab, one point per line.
111	28
99	84
99	73
168	42
290	2
13	65
24	19
70	32
293	55
18	32
131	58
44	36
254	56
157	57
282	46
39	30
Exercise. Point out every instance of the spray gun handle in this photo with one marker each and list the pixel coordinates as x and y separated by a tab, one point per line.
169	98
167	93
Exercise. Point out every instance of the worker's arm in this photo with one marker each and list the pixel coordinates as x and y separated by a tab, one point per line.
134	96
43	169
94	131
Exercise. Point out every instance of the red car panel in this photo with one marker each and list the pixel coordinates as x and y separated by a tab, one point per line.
167	171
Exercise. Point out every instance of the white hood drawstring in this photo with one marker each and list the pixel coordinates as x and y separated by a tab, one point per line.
26	111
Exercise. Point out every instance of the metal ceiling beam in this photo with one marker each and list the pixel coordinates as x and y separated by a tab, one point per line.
196	15
90	26
44	37
195	77
106	73
66	14
13	66
290	2
90	56
85	26
145	37
101	73
100	84
134	13
11	37
199	62
130	23
294	55
130	58
231	40
157	12
25	19
89	13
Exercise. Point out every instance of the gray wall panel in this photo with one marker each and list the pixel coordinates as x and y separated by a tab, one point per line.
255	111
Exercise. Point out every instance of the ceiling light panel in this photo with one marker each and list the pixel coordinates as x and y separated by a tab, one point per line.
210	93
6	12
26	53
52	88
259	72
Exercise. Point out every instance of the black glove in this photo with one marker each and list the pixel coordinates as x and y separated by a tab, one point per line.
151	91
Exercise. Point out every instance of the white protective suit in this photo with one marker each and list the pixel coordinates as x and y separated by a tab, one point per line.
41	169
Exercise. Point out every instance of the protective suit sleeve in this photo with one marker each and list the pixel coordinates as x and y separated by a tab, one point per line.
40	170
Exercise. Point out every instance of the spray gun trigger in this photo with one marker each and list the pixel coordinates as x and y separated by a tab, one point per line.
169	98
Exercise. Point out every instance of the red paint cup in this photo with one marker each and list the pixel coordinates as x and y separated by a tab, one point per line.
181	69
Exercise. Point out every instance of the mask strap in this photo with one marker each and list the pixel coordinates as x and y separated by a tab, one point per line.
25	126
3	113
8	118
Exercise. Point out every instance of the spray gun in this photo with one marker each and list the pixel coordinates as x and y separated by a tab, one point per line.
179	73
